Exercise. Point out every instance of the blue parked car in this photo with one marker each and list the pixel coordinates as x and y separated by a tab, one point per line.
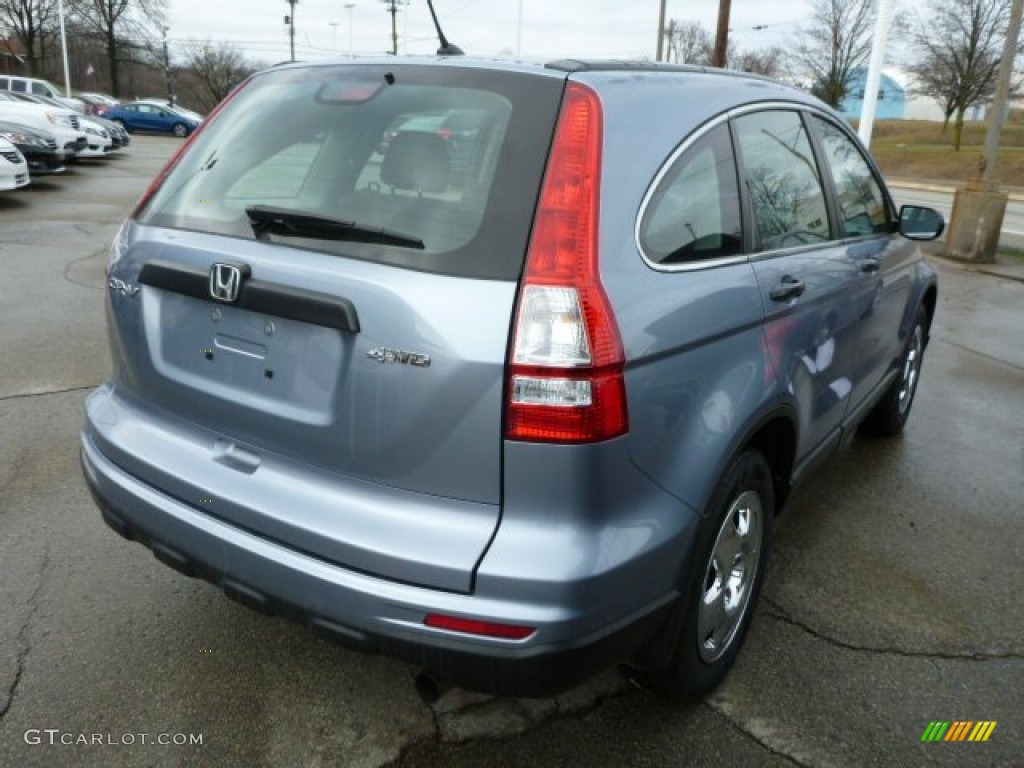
515	410
142	116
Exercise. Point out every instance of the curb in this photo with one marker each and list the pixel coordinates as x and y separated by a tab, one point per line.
949	189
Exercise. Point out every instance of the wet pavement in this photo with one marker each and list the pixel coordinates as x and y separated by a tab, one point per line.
892	600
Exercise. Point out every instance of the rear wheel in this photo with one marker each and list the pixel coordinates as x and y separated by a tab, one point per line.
890	414
180	130
728	578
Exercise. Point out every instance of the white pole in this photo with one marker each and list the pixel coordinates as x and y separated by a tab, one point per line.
874	78
64	48
519	30
349	7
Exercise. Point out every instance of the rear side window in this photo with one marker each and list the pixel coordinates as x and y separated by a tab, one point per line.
444	163
694	212
782	178
18	85
860	195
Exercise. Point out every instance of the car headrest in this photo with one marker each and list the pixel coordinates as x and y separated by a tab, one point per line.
416	160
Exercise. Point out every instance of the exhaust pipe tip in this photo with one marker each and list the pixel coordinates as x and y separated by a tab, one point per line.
429	689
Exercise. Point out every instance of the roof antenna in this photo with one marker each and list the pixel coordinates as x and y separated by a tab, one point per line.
446	49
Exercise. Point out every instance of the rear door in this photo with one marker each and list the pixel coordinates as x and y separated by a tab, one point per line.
884	260
808	281
319	287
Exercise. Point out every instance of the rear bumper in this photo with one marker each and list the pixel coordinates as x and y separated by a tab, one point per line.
371	614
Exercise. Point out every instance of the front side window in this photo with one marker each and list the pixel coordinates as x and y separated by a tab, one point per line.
694	213
860	195
782	179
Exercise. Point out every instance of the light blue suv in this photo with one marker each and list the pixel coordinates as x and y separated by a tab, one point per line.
516	400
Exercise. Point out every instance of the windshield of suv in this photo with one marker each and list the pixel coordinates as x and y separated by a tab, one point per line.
445	162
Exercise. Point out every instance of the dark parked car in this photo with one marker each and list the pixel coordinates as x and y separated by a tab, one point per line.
39	148
140	116
518	423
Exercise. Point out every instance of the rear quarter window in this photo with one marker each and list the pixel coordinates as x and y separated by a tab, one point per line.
693	214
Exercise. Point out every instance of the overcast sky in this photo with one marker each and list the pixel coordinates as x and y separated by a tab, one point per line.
550	28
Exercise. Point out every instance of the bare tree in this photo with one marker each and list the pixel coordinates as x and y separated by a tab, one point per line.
114	21
961	44
834	44
688	42
30	21
212	70
769	62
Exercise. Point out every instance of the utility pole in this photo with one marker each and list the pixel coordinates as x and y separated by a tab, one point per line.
290	21
978	209
393	10
167	70
658	56
1002	94
718	58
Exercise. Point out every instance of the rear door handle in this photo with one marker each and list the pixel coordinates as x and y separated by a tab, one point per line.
788	288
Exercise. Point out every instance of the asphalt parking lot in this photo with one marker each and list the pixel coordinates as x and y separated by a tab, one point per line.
893	597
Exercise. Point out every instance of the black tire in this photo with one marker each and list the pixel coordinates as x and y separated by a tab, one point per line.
706	649
180	130
890	414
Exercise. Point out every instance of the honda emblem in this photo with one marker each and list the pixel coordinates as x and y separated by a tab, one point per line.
225	282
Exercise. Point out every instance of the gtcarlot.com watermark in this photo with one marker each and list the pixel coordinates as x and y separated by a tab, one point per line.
55	737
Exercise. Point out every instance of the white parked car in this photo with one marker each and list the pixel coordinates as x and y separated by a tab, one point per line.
13	168
63	123
99	140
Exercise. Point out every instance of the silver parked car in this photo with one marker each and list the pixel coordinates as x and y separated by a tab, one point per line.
520	422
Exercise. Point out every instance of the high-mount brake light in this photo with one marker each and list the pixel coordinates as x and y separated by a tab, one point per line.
566	380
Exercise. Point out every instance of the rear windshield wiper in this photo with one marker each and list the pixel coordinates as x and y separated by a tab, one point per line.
268	220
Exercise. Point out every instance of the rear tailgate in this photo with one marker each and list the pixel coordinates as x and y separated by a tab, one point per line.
343	398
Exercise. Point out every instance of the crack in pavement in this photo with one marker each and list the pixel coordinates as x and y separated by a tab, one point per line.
44	393
736	726
71	264
24	646
993	358
781	614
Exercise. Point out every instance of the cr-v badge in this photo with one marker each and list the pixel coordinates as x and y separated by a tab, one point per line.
125	289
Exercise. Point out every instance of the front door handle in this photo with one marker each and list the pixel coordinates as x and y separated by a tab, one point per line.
870	266
788	288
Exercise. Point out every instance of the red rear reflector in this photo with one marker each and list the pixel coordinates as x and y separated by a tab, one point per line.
484	628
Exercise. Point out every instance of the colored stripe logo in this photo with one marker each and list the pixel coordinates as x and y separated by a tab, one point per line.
958	730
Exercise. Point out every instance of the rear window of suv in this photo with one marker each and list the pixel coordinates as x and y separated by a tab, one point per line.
443	163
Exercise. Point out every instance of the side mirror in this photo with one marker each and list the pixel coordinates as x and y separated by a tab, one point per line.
920	223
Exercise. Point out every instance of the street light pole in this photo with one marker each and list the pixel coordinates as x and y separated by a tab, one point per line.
349	7
334	36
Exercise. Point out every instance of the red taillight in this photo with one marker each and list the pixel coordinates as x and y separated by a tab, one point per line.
160	177
473	627
566	367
